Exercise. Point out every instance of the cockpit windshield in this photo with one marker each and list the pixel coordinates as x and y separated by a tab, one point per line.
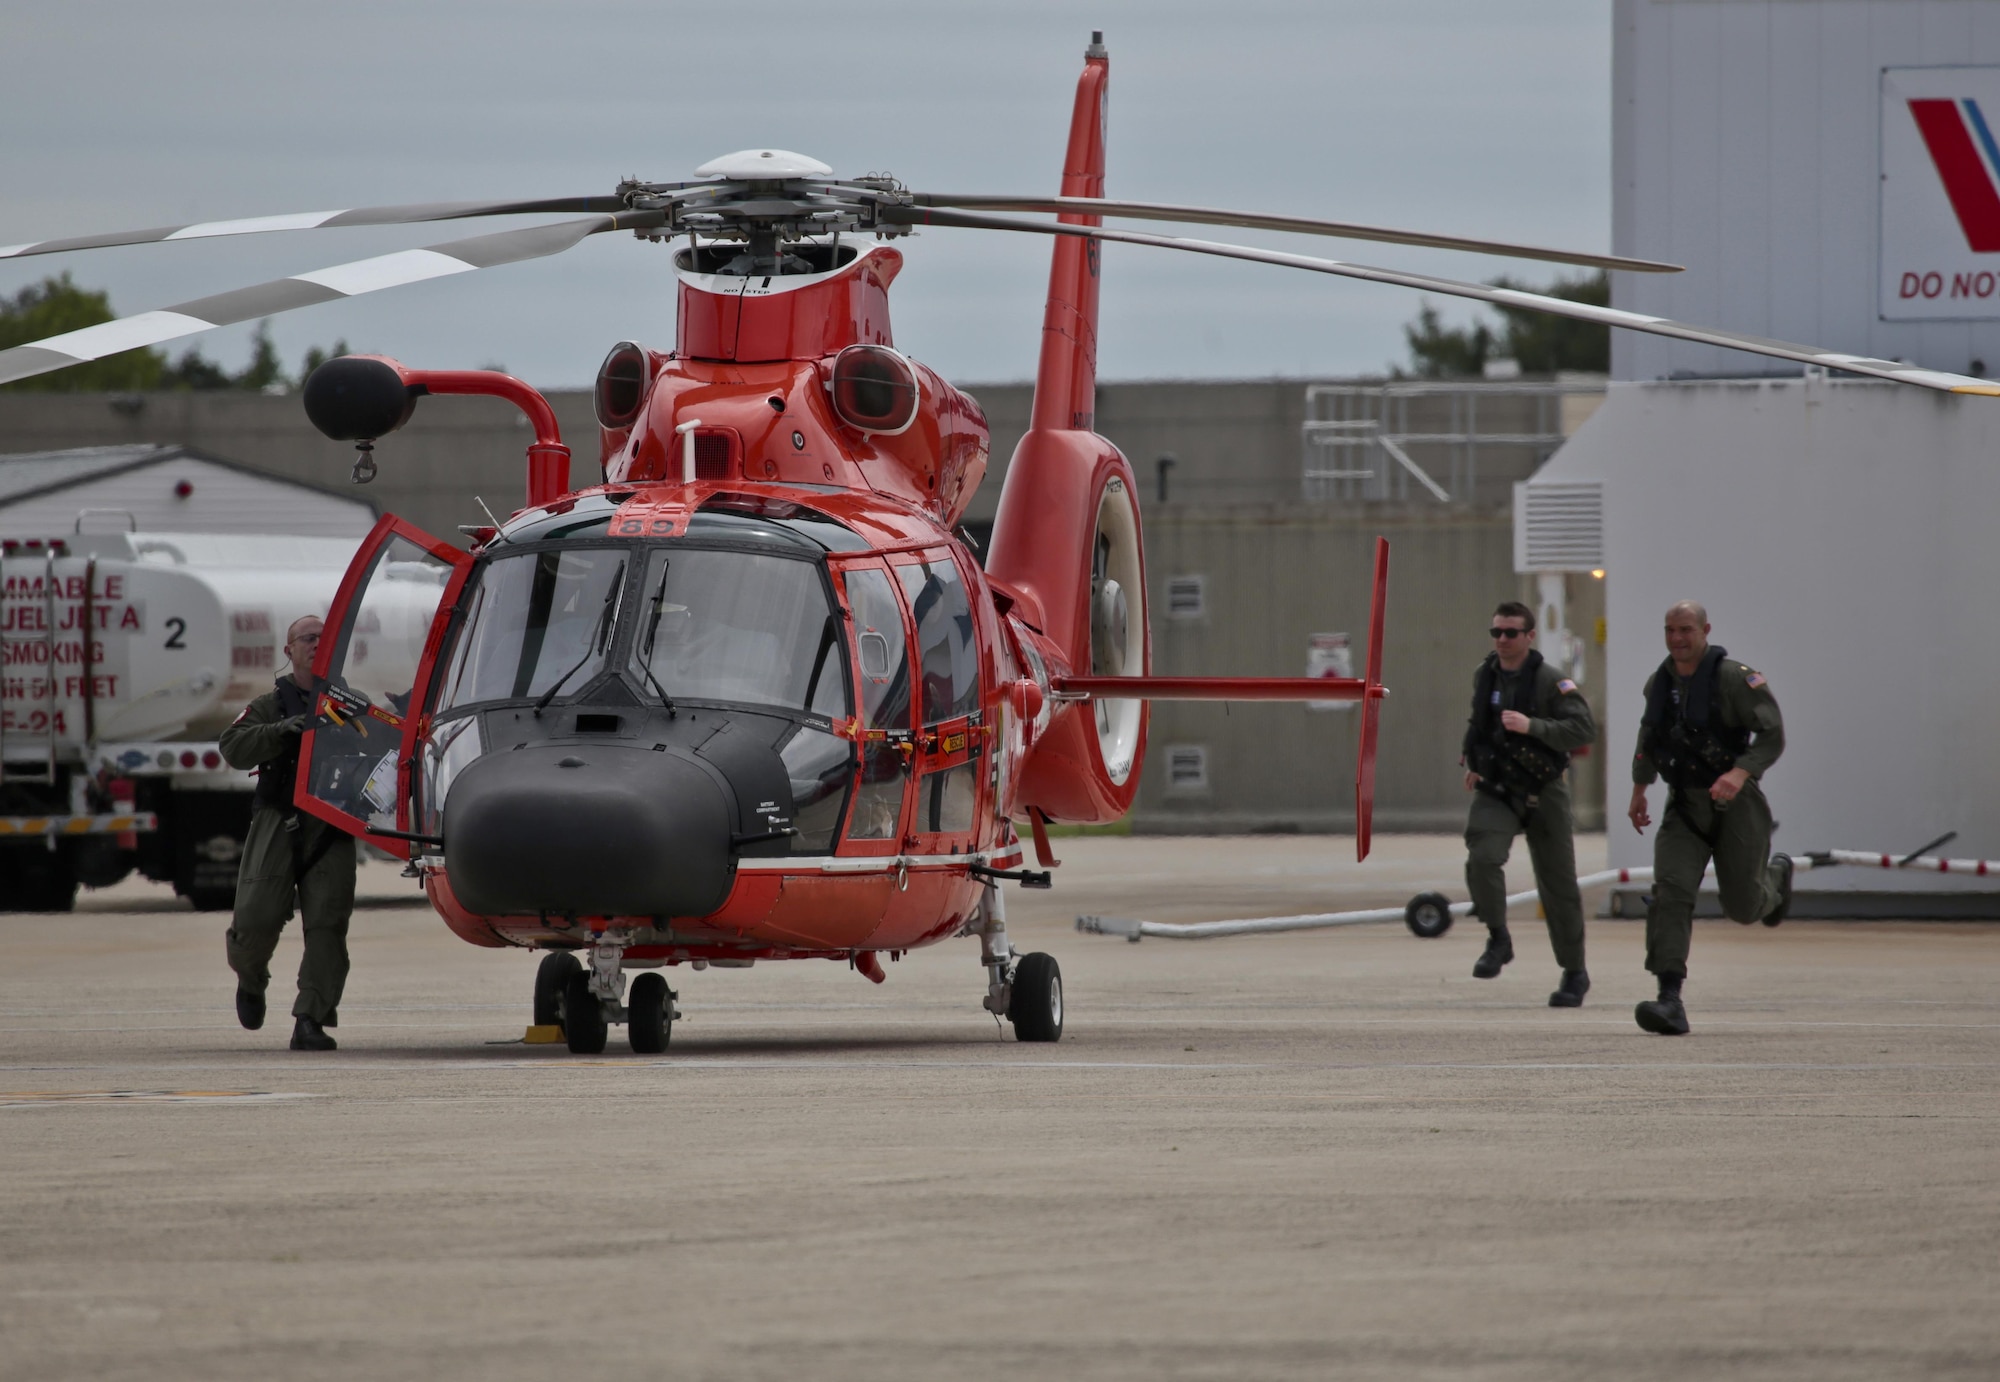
690	623
535	617
738	628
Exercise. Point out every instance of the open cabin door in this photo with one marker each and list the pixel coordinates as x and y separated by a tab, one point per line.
375	659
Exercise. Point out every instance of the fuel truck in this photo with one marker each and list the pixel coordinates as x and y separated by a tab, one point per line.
122	657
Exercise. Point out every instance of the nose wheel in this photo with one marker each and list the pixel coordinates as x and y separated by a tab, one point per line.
582	1002
1034	1003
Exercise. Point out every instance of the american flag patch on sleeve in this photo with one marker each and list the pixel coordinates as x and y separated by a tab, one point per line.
1755	681
1566	686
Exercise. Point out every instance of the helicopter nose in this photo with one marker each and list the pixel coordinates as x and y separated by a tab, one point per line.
594	830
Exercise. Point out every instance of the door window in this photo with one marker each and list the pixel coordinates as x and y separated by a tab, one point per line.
378	634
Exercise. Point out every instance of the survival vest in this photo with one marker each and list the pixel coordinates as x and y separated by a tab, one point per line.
1688	743
1513	767
275	778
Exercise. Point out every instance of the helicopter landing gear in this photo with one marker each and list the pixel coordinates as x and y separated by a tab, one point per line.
585	999
649	1018
551	982
1024	989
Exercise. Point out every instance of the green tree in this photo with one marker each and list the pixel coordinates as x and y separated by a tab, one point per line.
1440	352
1544	344
56	305
1540	343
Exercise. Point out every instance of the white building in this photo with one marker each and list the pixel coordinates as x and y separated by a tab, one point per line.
1828	171
47	494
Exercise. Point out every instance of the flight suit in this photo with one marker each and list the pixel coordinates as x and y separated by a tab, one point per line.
1693	828
288	852
1561	718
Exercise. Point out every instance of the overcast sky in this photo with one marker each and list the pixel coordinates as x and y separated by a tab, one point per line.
1483	117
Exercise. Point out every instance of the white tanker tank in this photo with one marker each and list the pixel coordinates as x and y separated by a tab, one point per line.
122	656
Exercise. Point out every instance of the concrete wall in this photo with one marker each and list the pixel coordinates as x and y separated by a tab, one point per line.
1841	536
1275	576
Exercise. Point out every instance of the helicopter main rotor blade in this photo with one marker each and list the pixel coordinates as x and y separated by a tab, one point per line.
318	220
304	290
1892	370
1344	230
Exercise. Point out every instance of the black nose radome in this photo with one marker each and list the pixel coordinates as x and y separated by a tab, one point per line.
624	832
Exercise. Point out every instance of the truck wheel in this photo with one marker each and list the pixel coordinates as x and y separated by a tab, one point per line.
213	899
37	881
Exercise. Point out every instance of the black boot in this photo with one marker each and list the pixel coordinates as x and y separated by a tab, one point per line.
249	1009
1664	1016
1569	994
308	1035
1499	950
1784	907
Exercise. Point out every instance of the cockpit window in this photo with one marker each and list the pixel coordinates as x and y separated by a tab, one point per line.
740	628
536	620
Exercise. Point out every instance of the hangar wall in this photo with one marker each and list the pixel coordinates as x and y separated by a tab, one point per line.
1840	534
1747	144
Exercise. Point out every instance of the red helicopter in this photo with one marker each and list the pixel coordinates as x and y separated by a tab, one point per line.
753	696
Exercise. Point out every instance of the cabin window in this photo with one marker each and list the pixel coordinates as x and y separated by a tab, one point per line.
947	650
885	704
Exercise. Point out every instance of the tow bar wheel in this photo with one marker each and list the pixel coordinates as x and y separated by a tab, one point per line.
1428	915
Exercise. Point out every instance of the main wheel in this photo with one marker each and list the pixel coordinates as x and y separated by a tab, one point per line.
1036	1008
551	981
649	1015
583	1024
1428	915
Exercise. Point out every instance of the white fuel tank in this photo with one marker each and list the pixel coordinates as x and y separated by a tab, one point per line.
123	636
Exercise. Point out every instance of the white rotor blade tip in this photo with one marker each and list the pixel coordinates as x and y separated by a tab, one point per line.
129	333
255	225
386	271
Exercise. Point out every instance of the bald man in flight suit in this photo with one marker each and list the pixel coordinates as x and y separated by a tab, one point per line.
1712	730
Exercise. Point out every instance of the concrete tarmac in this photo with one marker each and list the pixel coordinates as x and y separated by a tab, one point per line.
1299	1156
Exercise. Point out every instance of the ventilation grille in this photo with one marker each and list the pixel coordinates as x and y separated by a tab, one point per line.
1187	768
1559	525
1187	597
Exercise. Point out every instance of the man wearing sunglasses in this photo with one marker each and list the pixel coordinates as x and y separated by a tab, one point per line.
1712	730
1526	720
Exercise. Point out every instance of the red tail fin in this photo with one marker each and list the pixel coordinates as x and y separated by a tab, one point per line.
1371	706
1066	381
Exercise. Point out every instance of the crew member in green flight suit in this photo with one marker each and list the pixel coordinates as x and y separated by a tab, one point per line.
1711	730
288	853
1526	719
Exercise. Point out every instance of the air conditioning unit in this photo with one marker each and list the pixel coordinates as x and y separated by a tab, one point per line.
1559	525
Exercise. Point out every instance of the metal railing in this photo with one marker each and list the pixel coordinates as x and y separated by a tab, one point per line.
1458	442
